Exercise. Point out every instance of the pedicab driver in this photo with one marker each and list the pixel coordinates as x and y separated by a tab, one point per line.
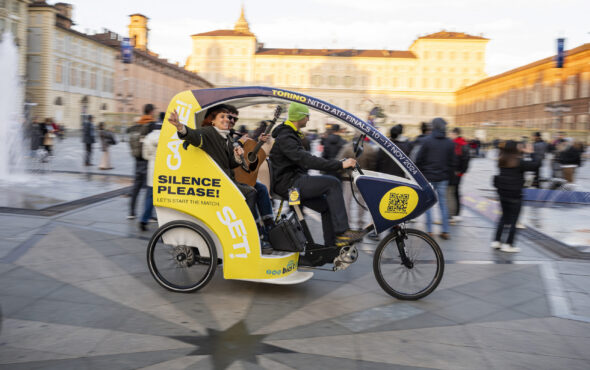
322	193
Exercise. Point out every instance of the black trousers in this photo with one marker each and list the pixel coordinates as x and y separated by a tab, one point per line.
510	212
250	195
88	153
323	194
455	197
138	183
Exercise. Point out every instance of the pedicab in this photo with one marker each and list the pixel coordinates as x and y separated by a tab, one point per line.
205	223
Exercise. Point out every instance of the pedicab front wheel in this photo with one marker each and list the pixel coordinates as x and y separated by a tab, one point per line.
181	256
408	264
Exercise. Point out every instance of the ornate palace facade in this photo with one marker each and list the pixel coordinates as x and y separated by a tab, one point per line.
411	85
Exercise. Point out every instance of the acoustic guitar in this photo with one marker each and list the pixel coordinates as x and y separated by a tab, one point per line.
254	157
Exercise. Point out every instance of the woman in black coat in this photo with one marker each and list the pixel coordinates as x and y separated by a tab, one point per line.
509	183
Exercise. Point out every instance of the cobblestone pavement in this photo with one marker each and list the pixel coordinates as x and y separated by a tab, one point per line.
75	293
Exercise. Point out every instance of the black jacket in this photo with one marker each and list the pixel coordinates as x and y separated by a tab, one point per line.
332	145
387	165
208	139
289	160
570	156
510	181
436	158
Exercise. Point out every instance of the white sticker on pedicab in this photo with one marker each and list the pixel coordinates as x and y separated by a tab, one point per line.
236	229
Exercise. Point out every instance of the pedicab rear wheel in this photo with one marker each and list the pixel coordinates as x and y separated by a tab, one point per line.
181	256
408	264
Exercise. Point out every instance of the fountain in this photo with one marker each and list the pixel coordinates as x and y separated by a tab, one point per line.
12	150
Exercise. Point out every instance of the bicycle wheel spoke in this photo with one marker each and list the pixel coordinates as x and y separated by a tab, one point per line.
179	266
418	278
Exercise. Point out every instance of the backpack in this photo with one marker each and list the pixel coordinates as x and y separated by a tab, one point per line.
136	135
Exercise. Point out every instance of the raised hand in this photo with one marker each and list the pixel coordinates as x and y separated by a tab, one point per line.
173	119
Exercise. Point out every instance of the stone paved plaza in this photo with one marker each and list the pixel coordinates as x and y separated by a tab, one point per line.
75	293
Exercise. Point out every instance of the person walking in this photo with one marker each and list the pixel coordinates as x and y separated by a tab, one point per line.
461	163
425	130
385	163
509	183
436	161
540	148
106	140
368	161
149	149
88	139
146	124
570	158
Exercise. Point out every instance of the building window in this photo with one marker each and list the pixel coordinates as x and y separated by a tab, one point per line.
411	82
570	88
58	101
83	79
425	83
58	72
16	7
316	80
437	83
34	39
410	107
34	68
426	55
466	56
333	80
439	55
452	55
348	81
585	85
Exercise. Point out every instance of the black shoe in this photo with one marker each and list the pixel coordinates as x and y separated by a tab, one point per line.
349	237
143	226
266	247
373	236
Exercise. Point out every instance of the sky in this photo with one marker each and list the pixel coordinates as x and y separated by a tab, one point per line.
520	31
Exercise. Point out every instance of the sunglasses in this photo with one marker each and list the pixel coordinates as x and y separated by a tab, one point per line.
233	118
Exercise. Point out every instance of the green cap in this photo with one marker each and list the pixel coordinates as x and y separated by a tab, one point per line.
297	112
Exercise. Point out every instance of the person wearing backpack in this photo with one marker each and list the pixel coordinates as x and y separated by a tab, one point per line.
137	133
461	164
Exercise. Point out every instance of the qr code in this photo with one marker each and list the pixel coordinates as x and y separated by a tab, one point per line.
398	203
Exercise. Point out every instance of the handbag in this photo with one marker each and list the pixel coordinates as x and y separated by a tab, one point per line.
111	139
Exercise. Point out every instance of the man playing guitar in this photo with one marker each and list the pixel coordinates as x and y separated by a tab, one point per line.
262	197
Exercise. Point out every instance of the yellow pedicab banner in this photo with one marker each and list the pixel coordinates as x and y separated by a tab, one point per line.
189	181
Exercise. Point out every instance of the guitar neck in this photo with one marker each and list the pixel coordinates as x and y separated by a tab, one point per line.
252	155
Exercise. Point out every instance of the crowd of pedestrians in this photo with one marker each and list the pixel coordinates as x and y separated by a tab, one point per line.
442	155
